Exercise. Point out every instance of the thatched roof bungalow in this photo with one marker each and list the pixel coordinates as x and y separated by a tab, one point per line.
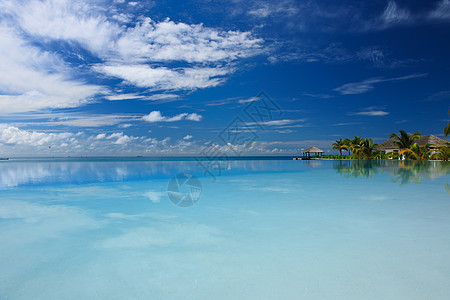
311	150
389	145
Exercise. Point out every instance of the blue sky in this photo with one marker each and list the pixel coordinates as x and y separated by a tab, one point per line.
184	77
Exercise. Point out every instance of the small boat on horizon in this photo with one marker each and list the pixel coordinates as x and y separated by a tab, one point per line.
4	158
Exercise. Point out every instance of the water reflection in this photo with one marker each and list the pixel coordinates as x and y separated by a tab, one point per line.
33	173
357	168
19	173
402	172
415	171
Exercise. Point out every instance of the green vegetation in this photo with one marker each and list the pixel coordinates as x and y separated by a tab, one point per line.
340	145
403	172
404	141
359	147
362	148
441	153
418	152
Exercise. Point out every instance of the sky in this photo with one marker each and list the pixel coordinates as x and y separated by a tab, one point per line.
211	78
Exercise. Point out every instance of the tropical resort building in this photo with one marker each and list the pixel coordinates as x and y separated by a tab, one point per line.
311	151
390	147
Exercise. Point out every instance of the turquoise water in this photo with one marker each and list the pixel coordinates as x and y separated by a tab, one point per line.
259	229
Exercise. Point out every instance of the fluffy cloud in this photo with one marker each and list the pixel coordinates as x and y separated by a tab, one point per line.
32	79
75	21
170	41
194	117
156	116
121	138
162	78
16	136
44	143
18	142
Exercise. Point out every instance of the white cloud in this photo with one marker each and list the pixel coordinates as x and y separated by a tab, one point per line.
76	21
156	116
163	97
122	138
368	84
67	119
16	142
43	143
125	139
123	97
15	136
32	79
133	53
162	78
252	99
261	12
441	12
394	14
280	124
154	97
347	124
92	121
277	8
357	87
439	96
319	96
373	113
170	41
276	122
373	54
194	117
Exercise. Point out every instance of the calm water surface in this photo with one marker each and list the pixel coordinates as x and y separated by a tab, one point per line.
258	229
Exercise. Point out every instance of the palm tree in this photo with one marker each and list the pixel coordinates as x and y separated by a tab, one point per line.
347	144
447	128
404	141
354	145
356	140
367	149
417	152
339	145
357	168
441	153
410	172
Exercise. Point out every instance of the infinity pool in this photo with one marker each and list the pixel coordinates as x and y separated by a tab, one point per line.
248	229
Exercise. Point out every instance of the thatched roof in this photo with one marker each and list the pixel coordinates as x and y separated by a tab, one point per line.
312	149
422	141
430	139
